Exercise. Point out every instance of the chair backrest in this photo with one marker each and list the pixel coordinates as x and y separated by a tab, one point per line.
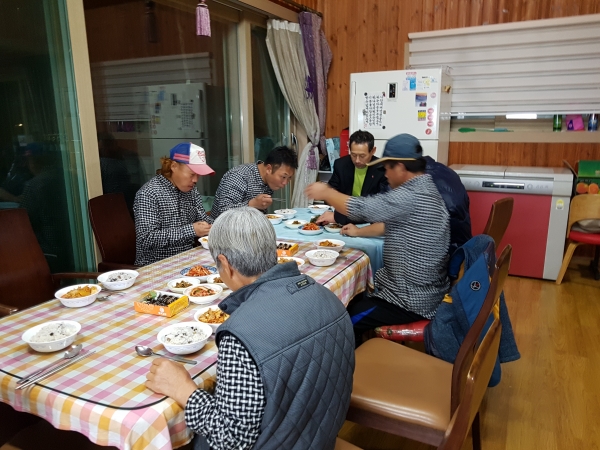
499	219
476	384
468	348
584	206
113	228
25	278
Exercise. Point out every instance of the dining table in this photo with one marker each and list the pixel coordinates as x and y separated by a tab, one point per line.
103	395
372	246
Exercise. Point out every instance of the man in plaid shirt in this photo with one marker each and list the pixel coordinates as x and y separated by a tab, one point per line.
168	209
253	184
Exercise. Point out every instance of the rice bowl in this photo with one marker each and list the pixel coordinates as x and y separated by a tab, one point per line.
52	336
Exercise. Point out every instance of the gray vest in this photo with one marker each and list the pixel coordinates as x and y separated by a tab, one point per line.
301	338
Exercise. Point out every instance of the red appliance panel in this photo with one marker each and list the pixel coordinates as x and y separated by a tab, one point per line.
527	231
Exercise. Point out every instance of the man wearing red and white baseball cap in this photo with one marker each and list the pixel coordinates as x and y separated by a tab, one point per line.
168	210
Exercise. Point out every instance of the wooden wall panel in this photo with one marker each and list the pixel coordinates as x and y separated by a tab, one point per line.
521	154
370	36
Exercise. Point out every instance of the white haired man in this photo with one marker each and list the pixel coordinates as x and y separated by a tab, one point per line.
284	373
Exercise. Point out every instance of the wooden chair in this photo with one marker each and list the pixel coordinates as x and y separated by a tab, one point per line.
499	219
584	206
405	392
114	231
25	278
340	444
496	226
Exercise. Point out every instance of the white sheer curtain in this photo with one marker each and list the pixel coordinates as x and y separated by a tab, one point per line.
286	50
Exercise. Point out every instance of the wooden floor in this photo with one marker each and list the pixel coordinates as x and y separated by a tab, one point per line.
549	399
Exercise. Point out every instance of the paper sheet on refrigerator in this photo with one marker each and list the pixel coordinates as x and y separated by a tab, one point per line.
373	112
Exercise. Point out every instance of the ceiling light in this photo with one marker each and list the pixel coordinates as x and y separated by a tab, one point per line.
522	116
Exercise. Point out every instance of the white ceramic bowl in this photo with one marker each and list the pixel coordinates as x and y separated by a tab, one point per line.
119	284
185	349
207	299
310	232
291	223
51	346
318	209
211	279
202	279
286	213
77	302
331	229
275	218
204	242
299	261
338	245
171	284
322	257
201	311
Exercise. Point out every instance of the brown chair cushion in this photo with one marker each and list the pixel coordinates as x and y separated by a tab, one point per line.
340	444
403	384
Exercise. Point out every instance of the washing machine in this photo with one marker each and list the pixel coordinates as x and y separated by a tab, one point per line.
538	224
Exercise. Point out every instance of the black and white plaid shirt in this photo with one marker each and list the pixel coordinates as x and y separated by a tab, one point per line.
415	246
238	186
231	418
164	218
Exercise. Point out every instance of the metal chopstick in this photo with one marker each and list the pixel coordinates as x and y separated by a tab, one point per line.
57	369
42	370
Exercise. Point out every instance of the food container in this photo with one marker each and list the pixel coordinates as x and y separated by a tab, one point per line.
204	242
185	349
211	279
122	279
286	213
295	223
204	300
322	257
79	301
299	261
318	209
330	244
169	310
55	345
171	284
333	228
202	278
275	218
286	248
201	311
310	232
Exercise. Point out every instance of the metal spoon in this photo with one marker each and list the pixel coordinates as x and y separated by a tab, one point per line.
142	350
72	352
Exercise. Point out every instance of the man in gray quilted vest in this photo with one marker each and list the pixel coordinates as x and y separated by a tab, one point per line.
286	353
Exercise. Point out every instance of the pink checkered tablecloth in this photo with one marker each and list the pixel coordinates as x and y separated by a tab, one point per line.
104	396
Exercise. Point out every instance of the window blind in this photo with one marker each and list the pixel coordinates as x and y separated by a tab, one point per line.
119	87
547	66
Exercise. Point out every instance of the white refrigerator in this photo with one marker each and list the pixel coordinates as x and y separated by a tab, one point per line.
404	101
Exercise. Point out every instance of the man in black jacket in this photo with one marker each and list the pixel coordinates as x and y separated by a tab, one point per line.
352	176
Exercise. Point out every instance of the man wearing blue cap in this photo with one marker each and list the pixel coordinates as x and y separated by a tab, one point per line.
415	224
168	209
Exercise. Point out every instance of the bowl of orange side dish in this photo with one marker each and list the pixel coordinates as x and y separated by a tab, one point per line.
203	294
310	229
330	244
79	295
200	272
211	315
